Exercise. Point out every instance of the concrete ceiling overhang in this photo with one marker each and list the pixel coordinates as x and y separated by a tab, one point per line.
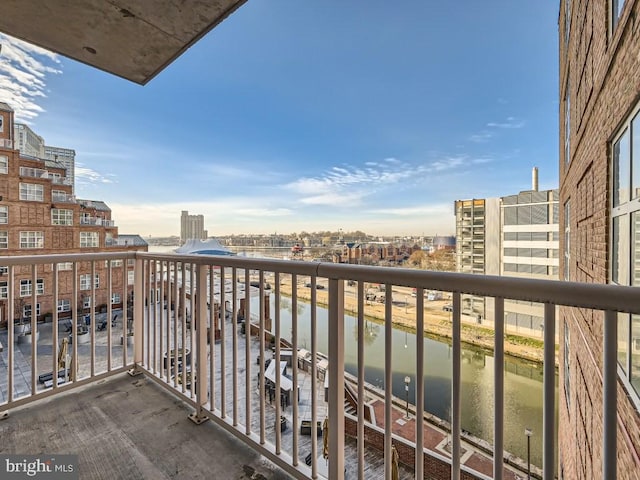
134	39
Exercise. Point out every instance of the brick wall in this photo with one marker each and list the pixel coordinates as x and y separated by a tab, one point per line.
434	468
601	69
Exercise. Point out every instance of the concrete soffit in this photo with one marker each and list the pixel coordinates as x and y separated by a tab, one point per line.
132	39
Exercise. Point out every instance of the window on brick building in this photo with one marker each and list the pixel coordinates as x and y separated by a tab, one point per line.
4	239
89	239
61	216
567	123
567	20
4	214
114	263
616	11
115	298
625	238
64	305
25	287
85	281
4	290
4	164
32	192
31	240
567	240
26	310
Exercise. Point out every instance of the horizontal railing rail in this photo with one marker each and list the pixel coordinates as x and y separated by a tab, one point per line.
202	326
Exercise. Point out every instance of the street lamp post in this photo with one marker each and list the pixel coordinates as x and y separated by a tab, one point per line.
528	432
407	381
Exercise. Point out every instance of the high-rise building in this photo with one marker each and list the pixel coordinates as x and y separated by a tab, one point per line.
515	235
65	156
27	141
192	226
33	145
599	86
39	215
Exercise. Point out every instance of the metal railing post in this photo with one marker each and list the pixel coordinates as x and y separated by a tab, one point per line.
549	387
199	320
455	387
498	401
138	316
336	379
609	395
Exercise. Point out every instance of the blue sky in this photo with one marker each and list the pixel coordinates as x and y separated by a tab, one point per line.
294	116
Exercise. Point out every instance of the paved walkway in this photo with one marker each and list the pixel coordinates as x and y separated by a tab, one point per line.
437	440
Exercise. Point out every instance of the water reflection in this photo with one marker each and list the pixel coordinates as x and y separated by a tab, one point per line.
522	382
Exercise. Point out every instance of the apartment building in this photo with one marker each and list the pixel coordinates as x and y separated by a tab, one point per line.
27	141
599	51
40	215
478	247
515	236
33	145
192	226
65	156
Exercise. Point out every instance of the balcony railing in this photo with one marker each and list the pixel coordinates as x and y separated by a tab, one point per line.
33	172
218	370
97	221
63	198
61	180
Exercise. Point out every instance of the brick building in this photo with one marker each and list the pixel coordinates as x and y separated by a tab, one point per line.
599	89
39	215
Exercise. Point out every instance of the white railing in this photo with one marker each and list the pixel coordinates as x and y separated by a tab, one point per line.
33	172
97	221
61	180
214	369
64	198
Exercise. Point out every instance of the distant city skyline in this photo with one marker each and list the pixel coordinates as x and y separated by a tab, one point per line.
292	117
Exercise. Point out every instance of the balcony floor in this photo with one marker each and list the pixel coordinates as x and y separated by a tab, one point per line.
129	427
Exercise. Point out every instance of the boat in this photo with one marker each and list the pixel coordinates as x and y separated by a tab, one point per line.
210	246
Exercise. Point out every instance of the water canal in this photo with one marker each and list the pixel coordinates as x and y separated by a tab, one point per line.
522	382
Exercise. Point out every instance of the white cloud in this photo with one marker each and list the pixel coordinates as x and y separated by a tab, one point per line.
88	175
416	210
347	185
481	137
448	163
511	122
23	73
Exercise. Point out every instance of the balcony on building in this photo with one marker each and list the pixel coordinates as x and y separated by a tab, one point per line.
155	310
98	221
